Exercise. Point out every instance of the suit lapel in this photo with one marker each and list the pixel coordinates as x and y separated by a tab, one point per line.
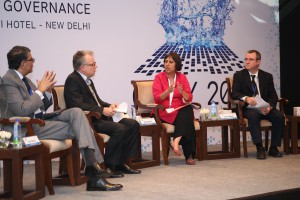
21	83
248	80
93	86
23	89
33	87
261	83
23	86
83	83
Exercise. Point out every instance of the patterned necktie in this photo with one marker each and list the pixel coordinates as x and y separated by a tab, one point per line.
89	83
254	86
27	86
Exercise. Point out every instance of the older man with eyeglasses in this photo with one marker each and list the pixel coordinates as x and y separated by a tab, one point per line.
124	136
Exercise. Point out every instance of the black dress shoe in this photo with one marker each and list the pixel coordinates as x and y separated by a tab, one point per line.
273	151
114	173
101	184
261	154
127	170
96	170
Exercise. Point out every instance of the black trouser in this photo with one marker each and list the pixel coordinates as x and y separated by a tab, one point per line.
275	117
123	142
184	126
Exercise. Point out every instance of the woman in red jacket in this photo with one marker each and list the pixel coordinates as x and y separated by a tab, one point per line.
172	89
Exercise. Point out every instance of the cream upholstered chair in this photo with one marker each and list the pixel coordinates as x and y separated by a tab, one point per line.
59	103
51	149
144	103
63	150
266	126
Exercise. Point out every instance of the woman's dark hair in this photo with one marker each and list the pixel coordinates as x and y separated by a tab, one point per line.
176	58
16	56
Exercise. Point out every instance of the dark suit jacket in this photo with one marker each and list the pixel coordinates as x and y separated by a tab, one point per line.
78	94
242	86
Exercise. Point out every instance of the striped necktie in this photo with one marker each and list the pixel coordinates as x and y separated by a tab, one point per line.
89	83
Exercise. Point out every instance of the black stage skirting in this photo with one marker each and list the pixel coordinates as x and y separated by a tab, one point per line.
290	194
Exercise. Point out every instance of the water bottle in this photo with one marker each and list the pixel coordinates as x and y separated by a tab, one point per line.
17	139
213	109
133	112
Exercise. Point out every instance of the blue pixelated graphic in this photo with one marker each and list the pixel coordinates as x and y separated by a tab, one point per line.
195	30
195	22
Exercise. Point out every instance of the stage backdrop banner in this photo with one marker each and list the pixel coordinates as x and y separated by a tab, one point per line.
130	38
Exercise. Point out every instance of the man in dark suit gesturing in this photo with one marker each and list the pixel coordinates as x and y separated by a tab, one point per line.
124	136
253	81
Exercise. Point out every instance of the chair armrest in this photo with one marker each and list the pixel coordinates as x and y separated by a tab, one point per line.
27	121
146	106
90	114
282	103
154	107
198	105
283	100
151	105
239	105
156	115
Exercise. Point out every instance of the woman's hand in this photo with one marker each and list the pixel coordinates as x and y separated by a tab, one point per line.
180	88
171	89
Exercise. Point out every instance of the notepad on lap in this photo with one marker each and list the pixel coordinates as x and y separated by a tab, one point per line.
169	110
260	103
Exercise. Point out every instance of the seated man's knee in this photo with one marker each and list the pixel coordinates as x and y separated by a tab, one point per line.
252	114
76	112
120	128
135	124
130	123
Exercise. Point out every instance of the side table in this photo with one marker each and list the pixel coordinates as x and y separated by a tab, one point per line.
225	153
13	172
294	120
153	132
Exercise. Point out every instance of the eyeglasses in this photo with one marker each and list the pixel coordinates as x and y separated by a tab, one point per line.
31	59
249	59
92	65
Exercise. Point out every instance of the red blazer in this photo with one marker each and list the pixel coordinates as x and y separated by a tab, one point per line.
161	84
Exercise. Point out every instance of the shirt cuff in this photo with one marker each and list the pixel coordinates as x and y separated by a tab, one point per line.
40	94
